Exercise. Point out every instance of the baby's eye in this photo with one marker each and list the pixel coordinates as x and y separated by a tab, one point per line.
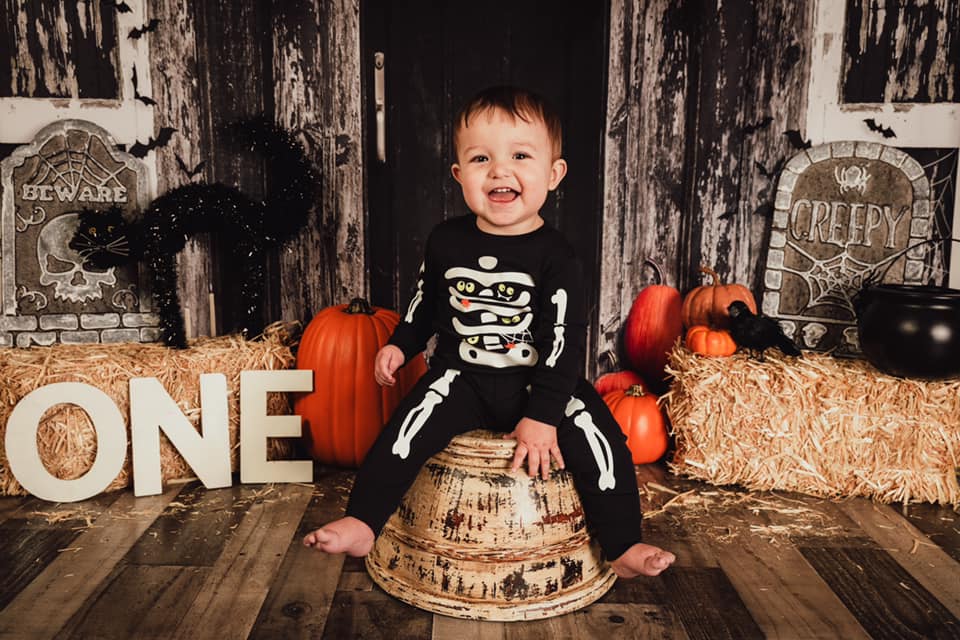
478	159
520	156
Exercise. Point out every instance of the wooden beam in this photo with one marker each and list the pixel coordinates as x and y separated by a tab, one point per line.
647	95
318	92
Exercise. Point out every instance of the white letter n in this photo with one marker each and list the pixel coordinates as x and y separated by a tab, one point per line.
152	409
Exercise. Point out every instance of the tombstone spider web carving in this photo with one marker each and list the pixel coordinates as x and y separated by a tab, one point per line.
834	281
80	174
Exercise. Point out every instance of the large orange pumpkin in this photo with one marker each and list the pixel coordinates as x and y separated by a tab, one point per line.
652	327
708	304
710	342
347	408
617	381
639	416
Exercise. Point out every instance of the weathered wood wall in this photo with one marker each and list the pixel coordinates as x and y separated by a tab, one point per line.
316	64
214	63
700	95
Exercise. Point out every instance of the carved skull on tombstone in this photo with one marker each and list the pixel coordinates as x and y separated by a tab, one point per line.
63	267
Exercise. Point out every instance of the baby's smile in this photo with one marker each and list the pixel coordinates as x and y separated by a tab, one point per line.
503	194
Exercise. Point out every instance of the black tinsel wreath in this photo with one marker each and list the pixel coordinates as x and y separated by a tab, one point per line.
246	227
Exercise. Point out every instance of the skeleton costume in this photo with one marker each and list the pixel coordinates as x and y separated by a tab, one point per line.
510	324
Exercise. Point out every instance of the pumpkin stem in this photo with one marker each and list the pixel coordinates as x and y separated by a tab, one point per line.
359	305
716	277
657	271
635	391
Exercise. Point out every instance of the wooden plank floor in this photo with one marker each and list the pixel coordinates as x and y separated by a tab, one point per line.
228	563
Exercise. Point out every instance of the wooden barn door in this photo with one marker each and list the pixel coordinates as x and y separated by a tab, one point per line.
435	56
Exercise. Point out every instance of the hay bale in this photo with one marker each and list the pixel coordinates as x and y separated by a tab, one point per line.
818	425
66	438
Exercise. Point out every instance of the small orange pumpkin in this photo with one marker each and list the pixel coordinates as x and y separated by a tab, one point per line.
708	304
617	381
347	409
710	342
640	419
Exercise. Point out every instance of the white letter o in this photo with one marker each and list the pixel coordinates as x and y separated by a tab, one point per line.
24	457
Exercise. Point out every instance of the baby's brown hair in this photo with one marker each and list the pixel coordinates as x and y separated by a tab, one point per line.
519	103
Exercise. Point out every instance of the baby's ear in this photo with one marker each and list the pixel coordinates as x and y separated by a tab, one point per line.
455	170
557	171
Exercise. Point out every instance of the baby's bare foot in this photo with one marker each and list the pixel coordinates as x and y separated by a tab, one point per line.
642	560
346	535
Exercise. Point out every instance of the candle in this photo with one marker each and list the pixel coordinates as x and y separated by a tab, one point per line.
213	313
187	331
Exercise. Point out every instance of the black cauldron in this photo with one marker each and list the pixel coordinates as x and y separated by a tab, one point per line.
910	331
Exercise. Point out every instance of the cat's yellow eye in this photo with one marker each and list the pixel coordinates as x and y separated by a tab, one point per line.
92	231
109	228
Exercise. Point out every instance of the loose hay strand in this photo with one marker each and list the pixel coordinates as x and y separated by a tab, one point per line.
818	425
66	439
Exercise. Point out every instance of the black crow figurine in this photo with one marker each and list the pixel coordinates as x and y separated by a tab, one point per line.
757	333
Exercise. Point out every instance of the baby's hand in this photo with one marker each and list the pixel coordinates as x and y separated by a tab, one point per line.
388	360
536	441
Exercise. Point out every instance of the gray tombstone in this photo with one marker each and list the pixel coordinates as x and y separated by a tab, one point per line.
845	213
47	293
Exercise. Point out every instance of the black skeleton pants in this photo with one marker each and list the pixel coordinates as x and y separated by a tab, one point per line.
448	402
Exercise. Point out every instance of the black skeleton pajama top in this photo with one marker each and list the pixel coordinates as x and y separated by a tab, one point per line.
509	314
501	303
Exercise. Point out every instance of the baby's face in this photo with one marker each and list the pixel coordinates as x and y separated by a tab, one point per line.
506	167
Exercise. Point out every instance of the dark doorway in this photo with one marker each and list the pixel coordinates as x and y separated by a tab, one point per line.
438	54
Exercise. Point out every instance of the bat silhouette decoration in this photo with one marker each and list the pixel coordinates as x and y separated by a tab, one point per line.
140	150
757	126
873	125
797	140
136	92
187	170
136	32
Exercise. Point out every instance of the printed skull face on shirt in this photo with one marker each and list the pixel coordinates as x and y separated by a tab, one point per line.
492	314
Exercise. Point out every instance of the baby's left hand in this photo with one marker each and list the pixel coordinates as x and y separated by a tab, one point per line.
537	442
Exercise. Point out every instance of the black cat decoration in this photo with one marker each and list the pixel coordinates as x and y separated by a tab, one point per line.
244	226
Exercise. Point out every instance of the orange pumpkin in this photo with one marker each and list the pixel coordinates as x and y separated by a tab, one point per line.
639	416
347	408
710	342
652	327
708	304
617	381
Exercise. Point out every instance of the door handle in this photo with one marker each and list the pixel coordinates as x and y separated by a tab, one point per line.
380	106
